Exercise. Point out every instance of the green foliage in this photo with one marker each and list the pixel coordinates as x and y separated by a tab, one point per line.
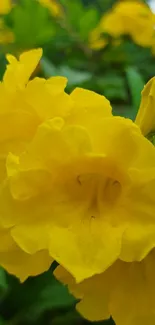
74	77
151	137
3	281
40	300
31	24
113	86
136	85
81	19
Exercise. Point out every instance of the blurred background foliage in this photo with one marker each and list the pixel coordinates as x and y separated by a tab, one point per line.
118	69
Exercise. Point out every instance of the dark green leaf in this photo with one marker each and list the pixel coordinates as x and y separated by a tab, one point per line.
136	84
87	23
3	280
74	77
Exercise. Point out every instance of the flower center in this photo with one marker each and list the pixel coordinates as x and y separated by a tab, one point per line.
103	192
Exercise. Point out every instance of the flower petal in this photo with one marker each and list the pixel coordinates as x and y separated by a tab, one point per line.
47	97
125	291
87	248
132	300
88	106
116	137
139	236
19	263
93	292
146	115
19	72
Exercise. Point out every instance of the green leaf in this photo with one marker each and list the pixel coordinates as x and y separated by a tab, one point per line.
2	321
74	77
74	10
48	68
112	85
136	85
3	280
31	24
51	295
87	23
124	110
37	295
151	137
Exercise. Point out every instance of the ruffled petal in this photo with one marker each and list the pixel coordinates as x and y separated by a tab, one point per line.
125	291
19	263
47	97
93	293
19	72
88	107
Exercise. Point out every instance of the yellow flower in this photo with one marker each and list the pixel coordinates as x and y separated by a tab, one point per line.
77	183
95	41
83	189
132	18
109	24
5	6
53	7
125	291
146	114
24	105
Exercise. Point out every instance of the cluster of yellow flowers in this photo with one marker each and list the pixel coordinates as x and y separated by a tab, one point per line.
127	17
6	36
77	186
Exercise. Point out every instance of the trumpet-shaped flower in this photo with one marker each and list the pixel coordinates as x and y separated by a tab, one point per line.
77	183
125	291
83	189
